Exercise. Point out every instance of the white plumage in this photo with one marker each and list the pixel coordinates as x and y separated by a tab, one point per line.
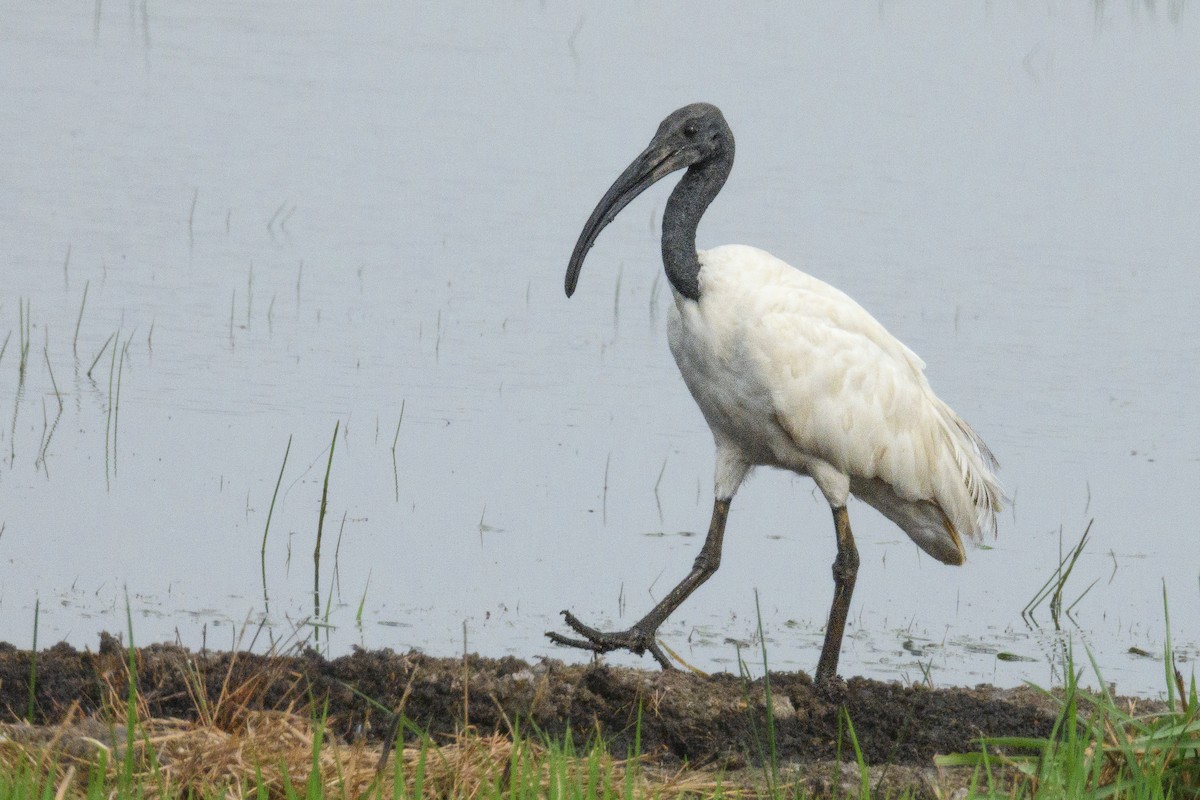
790	372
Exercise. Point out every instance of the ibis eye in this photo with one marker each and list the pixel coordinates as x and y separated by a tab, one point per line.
690	130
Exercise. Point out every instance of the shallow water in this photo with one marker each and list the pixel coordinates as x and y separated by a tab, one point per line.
295	216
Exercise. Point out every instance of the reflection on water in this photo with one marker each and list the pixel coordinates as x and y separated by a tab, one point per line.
287	221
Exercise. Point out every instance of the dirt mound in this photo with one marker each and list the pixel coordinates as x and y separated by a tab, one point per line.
717	719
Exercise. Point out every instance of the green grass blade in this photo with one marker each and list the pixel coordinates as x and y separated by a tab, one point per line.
37	607
270	512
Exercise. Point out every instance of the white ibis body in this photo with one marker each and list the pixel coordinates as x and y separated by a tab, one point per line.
789	372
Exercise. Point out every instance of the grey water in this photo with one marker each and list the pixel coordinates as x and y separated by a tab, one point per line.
287	216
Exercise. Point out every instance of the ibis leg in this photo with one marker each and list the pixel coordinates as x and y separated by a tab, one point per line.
845	572
639	638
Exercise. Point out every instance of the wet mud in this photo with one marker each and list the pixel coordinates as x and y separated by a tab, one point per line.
717	721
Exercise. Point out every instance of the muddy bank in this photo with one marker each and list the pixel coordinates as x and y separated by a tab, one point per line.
704	720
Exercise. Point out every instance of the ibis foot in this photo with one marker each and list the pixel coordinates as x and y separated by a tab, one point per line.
637	640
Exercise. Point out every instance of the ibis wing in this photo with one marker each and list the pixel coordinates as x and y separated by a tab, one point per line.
848	392
846	399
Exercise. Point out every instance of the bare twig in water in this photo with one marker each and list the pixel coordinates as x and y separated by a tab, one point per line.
396	438
102	349
79	319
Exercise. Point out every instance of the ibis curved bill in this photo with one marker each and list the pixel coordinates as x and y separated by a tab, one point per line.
791	373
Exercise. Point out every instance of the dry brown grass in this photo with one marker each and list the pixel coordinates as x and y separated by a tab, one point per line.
234	749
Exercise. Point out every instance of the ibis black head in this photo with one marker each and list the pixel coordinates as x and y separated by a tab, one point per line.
692	136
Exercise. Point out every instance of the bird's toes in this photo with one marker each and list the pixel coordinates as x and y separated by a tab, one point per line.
636	640
567	641
655	650
586	631
640	640
594	640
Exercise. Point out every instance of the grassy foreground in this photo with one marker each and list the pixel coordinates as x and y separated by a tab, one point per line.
1098	748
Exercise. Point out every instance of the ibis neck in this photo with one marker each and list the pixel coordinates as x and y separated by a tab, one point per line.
686	205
